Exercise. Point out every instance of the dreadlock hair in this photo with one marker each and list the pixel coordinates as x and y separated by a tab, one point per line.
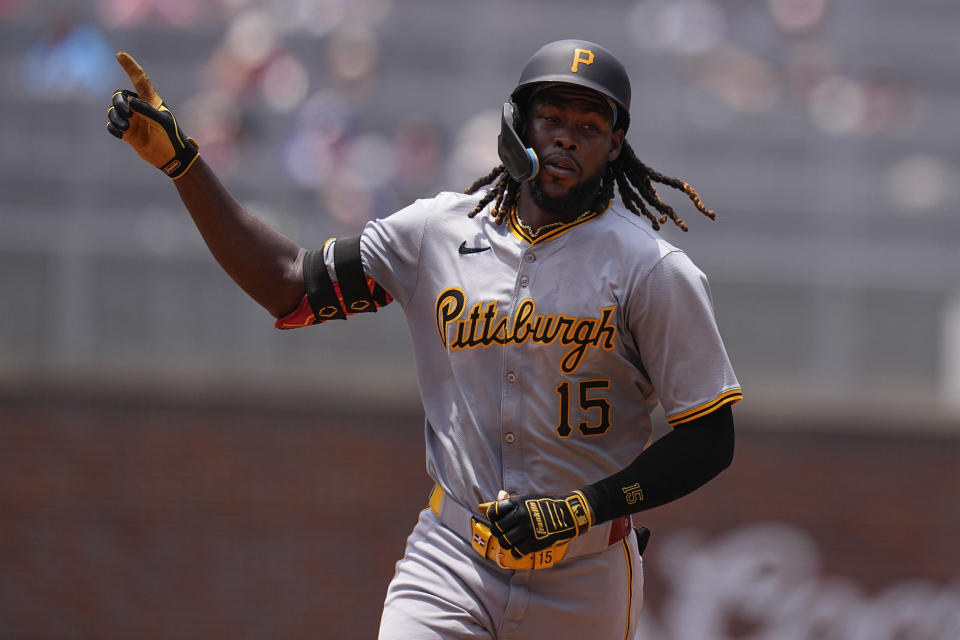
634	181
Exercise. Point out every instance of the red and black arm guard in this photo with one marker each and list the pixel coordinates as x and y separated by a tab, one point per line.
353	292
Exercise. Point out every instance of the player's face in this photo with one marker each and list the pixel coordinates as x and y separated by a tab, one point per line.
571	129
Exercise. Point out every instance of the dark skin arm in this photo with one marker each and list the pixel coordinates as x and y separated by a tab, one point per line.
266	264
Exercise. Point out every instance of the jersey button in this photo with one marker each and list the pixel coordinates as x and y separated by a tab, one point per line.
524	281
509	438
511	377
530	258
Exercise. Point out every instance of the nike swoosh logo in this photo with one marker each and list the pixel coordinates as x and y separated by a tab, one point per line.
464	249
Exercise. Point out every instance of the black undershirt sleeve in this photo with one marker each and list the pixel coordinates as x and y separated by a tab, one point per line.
673	466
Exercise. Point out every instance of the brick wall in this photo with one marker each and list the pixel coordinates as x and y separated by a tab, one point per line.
163	523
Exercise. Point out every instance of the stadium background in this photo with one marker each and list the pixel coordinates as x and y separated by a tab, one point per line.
171	466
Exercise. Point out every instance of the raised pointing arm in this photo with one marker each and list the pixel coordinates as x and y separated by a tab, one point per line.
263	262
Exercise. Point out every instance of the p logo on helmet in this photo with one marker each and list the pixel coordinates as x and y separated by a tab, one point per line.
578	60
552	63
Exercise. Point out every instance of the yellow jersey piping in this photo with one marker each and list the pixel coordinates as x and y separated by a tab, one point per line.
728	397
626	553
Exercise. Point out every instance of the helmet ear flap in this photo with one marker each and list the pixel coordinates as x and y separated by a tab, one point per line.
520	100
520	161
519	122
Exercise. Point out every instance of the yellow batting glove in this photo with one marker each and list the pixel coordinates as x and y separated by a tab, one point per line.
526	524
143	121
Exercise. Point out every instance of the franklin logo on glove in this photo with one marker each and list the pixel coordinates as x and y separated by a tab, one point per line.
530	524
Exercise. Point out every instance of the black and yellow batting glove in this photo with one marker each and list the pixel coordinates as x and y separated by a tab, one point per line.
526	524
143	121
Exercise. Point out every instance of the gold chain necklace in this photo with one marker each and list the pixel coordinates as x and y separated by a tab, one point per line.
534	233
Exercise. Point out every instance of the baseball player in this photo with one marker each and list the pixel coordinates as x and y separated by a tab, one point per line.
548	320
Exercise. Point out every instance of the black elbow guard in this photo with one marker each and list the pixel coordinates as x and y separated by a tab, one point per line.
353	292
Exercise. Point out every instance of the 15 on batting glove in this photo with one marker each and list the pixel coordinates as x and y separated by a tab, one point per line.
142	120
525	524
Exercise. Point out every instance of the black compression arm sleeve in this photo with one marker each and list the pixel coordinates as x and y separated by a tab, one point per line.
670	468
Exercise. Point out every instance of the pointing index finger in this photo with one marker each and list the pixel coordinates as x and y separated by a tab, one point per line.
141	83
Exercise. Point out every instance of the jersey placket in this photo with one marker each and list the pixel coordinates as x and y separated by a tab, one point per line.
513	418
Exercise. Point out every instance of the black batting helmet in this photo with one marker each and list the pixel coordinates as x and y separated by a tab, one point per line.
582	63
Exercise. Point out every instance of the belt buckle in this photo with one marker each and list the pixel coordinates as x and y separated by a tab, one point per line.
488	547
480	537
506	560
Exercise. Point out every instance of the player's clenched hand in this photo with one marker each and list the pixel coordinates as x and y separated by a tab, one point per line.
143	121
525	524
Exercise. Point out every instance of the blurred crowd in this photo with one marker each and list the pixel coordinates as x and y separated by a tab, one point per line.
353	169
818	130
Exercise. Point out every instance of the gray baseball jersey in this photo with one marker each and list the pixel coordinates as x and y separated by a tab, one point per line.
539	362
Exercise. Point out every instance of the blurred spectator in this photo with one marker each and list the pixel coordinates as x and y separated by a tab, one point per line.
67	60
10	9
120	13
418	155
